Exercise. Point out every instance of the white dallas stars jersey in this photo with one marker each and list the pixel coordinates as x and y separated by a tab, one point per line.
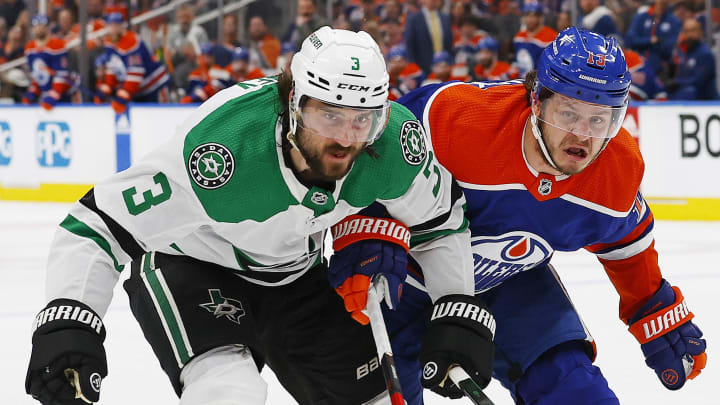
220	191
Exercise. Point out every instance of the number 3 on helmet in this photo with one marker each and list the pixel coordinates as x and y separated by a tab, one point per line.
343	69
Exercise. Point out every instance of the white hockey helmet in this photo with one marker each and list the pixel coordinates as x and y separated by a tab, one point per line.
344	69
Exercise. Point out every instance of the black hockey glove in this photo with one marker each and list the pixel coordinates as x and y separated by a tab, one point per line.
460	332
67	363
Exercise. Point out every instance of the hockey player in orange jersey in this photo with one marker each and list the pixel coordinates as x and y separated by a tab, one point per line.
545	166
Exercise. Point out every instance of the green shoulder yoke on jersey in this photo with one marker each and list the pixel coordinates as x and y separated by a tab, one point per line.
402	151
231	158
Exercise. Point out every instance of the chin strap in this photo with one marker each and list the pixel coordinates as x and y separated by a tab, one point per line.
540	140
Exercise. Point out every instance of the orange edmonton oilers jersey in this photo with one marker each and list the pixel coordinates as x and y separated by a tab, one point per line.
519	217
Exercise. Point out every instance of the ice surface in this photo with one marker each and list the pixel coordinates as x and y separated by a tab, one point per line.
689	257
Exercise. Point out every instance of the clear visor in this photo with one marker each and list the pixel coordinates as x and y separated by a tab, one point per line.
579	117
343	123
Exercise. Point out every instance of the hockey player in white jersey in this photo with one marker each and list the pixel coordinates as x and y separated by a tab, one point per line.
224	227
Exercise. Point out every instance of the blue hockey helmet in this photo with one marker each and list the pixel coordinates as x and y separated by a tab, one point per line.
586	66
39	19
532	7
288	47
442	56
397	51
489	43
240	53
206	48
115	18
587	77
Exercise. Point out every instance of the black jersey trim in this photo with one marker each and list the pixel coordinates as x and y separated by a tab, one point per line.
455	194
121	235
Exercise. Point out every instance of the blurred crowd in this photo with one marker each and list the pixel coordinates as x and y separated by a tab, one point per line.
172	58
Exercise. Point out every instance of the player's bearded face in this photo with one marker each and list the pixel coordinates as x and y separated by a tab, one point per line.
329	159
328	138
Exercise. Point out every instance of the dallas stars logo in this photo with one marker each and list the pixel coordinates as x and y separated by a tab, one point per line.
211	165
221	306
412	141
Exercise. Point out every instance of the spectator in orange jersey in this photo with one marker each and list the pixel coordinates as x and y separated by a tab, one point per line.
207	79
530	42
264	47
404	75
444	70
469	34
48	63
488	66
132	71
240	68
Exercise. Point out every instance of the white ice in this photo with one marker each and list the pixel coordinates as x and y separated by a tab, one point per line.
689	257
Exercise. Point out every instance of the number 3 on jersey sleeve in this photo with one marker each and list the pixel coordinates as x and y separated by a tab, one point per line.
137	204
436	169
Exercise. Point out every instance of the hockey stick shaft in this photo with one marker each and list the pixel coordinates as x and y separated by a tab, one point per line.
384	350
469	388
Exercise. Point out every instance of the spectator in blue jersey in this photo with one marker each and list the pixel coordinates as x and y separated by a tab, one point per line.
286	53
222	52
695	75
131	72
653	33
644	85
597	18
530	42
426	33
207	79
47	61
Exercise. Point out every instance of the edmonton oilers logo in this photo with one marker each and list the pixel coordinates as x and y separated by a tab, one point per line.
500	257
520	247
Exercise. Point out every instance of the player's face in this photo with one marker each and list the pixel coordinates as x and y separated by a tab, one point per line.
330	155
574	131
40	31
442	70
532	21
485	57
115	31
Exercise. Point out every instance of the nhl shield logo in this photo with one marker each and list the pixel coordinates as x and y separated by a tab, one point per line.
412	141
545	187
211	165
319	198
221	306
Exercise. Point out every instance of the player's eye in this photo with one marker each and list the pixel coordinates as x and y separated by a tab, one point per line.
362	120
